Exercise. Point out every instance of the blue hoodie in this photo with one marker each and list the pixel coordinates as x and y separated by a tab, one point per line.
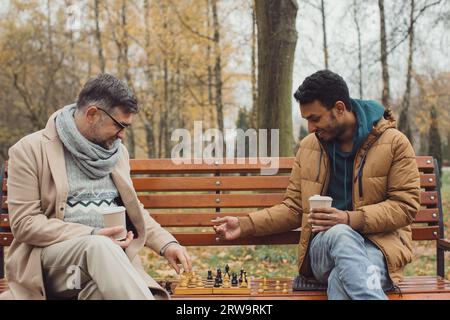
367	113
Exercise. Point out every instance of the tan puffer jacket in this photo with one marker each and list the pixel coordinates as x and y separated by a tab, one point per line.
385	196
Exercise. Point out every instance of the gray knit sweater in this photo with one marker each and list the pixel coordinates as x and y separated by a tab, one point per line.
87	196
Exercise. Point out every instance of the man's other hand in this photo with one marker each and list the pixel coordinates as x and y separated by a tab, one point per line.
227	228
323	219
114	231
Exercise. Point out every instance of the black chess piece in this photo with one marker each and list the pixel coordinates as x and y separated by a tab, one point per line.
245	278
241	277
227	270
234	280
209	277
219	275
216	282
168	287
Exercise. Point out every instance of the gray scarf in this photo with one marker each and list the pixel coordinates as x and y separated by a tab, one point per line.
95	161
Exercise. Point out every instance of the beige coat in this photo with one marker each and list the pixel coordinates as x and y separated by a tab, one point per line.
383	212
37	194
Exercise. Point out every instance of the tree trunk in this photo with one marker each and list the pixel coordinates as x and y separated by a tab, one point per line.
208	59
434	139
254	112
217	67
403	124
277	38
324	28
123	63
148	115
358	31
98	37
386	96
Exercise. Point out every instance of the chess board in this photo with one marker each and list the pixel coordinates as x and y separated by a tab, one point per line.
208	291
193	284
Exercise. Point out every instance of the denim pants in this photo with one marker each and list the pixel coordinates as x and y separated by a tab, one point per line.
351	265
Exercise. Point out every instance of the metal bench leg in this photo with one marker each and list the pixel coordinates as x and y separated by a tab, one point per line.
2	263
440	262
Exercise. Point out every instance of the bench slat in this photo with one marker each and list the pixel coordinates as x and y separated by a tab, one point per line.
425	163
292	237
6	238
210	183
428	198
209	239
4	221
425	233
427	180
164	166
211	200
190	219
427	215
193	219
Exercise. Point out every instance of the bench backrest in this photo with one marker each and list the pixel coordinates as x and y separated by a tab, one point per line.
186	197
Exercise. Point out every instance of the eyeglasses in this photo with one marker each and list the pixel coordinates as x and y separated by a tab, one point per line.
121	125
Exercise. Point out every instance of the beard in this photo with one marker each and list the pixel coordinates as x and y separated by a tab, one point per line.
332	132
105	143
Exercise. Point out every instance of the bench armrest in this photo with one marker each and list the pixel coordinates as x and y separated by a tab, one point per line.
444	244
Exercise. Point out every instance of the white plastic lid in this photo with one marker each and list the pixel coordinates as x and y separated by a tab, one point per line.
318	197
111	210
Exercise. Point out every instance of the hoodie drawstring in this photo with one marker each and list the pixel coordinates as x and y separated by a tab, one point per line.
345	182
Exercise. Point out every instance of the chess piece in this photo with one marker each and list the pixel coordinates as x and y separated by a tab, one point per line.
277	285
217	283
199	282
247	284
209	283
260	289
191	282
219	275
183	280
234	280
226	281
265	287
227	270
209	277
168	287
285	290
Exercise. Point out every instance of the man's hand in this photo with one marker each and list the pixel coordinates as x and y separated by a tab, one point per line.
229	230
323	219
114	231
176	255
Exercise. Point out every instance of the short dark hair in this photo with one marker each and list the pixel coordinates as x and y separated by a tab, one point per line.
326	87
106	91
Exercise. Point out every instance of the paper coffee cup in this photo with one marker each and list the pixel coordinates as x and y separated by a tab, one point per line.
113	217
318	201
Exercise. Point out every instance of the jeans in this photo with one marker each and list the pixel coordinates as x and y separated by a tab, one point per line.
351	265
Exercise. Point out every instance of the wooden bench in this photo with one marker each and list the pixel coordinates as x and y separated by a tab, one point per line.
190	195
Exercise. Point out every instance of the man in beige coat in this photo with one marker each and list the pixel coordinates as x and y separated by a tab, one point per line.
59	181
354	154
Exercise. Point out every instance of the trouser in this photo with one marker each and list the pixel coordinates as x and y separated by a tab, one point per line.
351	265
90	268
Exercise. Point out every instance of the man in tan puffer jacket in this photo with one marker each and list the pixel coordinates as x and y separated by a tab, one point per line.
354	154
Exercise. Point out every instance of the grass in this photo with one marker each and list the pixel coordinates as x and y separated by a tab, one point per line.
281	261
